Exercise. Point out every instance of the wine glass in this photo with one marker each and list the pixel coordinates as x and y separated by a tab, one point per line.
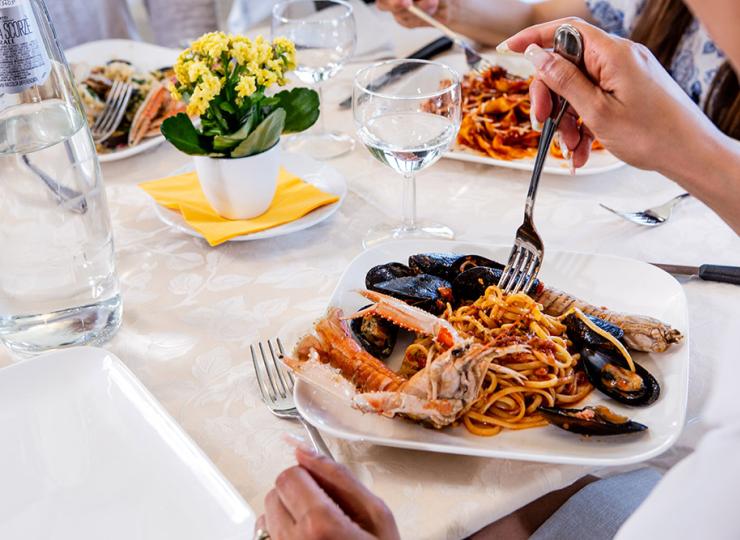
325	36
407	113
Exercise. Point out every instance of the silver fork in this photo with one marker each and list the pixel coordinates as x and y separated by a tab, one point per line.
650	217
112	114
472	57
276	386
526	256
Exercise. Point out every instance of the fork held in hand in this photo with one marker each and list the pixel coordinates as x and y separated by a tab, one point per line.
276	386
112	114
526	256
472	57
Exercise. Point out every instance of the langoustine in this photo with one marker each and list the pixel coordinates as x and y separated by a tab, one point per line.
438	394
641	333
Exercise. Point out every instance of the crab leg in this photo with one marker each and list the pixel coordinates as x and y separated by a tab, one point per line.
411	318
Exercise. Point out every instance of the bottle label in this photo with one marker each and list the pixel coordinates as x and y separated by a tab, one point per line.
24	60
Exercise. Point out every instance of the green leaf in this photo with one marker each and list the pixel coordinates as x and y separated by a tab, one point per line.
179	130
227	142
301	107
228	107
265	136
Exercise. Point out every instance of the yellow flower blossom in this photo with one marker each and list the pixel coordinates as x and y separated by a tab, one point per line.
246	86
204	69
197	69
175	93
266	78
242	51
262	50
204	92
211	44
181	67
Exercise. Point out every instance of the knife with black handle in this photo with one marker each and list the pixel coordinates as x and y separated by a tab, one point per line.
707	272
428	51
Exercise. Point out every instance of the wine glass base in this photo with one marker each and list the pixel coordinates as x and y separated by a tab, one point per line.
424	230
321	146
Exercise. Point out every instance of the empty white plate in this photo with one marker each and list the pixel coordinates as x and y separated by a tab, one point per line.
88	454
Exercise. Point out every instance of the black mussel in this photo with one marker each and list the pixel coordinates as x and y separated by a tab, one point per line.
466	262
471	284
386	272
583	336
376	335
429	293
609	373
435	264
597	420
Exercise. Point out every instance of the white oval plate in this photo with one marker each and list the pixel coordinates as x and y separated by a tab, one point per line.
601	161
88	453
144	56
621	284
321	175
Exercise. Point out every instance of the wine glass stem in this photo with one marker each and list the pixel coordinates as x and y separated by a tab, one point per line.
409	201
321	124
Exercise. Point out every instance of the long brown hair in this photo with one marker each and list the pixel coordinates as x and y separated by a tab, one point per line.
660	27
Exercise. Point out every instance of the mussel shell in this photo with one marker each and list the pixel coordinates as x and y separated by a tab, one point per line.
594	361
471	284
466	262
424	291
376	335
568	420
435	264
583	336
386	272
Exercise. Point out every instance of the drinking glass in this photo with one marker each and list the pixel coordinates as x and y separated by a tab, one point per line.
325	36
407	113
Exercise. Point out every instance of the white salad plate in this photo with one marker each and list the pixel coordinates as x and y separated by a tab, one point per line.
87	453
320	174
143	56
601	161
621	284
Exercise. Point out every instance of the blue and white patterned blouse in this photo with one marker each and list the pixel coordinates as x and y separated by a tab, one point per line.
696	60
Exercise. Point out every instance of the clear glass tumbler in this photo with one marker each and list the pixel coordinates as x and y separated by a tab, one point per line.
58	284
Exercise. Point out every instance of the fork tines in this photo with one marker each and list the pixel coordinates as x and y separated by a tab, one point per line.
112	114
275	382
522	268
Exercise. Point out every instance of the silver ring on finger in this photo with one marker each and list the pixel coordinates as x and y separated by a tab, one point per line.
261	534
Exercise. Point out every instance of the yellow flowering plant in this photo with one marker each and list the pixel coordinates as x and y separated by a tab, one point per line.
224	80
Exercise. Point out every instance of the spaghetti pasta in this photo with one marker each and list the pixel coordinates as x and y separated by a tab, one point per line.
495	116
516	384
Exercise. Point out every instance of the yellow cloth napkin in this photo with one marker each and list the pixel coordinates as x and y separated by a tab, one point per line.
294	198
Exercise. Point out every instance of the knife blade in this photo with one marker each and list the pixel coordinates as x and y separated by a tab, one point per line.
707	272
428	51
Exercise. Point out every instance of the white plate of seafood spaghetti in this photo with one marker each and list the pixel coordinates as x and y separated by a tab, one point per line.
98	64
419	349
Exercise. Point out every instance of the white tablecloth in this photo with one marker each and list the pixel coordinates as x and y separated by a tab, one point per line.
191	312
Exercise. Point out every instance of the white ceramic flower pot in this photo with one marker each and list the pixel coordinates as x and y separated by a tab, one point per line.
239	188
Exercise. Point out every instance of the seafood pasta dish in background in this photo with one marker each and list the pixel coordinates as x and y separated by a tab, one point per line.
495	116
150	103
482	358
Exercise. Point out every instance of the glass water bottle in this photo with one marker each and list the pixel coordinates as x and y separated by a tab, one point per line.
58	284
